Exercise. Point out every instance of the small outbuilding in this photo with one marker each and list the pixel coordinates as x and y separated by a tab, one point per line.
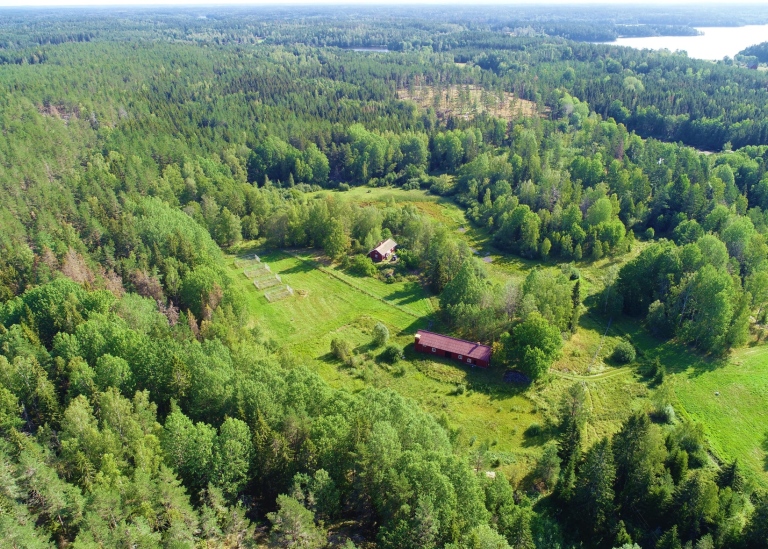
383	251
463	351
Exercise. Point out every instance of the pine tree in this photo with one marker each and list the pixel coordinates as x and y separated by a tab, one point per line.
293	526
576	300
593	496
669	540
730	475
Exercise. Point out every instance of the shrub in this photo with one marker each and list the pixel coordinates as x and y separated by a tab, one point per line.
407	259
362	265
380	335
548	467
342	350
667	414
624	352
533	430
343	186
570	270
652	367
650	233
443	185
460	389
392	354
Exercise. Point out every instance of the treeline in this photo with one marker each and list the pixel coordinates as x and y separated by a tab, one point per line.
572	187
658	94
109	398
760	51
647	486
694	292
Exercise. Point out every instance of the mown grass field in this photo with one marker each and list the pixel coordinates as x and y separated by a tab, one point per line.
492	415
336	304
736	419
326	301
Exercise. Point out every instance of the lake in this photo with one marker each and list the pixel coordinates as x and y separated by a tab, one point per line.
374	50
714	44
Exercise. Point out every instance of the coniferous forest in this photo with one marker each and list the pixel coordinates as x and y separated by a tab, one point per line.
142	404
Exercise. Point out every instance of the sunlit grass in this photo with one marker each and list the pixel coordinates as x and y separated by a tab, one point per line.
491	414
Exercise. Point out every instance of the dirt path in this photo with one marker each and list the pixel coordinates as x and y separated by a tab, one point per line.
615	372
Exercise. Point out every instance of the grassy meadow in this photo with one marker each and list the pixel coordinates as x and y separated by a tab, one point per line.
731	400
508	422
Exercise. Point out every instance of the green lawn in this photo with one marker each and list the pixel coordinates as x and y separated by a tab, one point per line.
331	303
326	301
736	420
489	414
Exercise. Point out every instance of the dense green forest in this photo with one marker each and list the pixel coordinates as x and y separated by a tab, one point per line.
141	405
759	51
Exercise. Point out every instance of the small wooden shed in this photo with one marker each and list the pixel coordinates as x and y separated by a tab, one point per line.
463	351
383	250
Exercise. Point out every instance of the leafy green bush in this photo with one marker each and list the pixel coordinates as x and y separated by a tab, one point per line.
380	335
412	185
624	352
392	354
342	350
533	430
362	265
443	185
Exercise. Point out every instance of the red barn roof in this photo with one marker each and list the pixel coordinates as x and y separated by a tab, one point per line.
454	345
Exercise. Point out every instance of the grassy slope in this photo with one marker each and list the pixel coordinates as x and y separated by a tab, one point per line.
490	411
736	420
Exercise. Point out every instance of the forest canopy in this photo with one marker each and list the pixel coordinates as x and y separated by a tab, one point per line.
140	403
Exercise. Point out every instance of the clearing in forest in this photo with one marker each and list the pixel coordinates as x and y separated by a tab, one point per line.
735	420
326	299
468	101
729	398
506	420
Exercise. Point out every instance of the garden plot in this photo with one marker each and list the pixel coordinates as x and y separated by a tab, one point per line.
258	272
264	283
244	262
279	294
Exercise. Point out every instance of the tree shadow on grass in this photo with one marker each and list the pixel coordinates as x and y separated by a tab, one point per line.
244	250
536	435
678	358
674	356
300	267
410	293
420	323
489	381
365	348
330	358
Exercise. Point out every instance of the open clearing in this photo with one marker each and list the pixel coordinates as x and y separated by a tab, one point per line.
469	101
736	420
491	414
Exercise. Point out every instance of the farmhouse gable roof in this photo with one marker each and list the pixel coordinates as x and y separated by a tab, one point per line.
385	247
453	345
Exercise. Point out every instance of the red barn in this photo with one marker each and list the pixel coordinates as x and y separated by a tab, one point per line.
450	347
383	250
